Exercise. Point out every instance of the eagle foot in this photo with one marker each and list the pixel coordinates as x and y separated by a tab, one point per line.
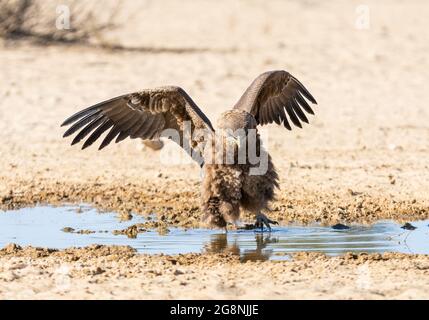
262	219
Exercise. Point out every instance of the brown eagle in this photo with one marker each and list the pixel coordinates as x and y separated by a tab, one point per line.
228	186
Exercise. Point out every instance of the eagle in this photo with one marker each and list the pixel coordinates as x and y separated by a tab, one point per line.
231	180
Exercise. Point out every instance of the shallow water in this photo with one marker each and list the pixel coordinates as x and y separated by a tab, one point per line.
42	227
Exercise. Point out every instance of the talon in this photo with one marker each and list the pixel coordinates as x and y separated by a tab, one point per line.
262	220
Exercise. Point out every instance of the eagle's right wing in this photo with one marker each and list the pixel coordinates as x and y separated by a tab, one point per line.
145	115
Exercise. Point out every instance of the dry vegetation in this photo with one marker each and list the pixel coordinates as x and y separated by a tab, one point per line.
38	20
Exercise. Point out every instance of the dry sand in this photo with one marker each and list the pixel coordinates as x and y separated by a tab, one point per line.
100	272
364	157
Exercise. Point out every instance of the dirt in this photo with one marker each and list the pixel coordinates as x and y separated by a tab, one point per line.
181	208
99	272
82	231
364	156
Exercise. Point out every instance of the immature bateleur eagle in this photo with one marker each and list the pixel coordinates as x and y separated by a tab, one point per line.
228	186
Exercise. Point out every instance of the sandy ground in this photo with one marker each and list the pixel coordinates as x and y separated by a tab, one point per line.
117	273
364	157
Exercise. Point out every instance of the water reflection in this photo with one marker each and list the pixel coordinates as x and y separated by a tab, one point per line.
41	227
260	252
380	237
219	244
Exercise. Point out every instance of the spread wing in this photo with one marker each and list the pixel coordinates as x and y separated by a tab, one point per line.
275	94
145	114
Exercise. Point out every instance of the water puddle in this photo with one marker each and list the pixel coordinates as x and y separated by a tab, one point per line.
73	227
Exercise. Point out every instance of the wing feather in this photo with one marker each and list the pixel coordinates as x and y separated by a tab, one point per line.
292	115
303	103
97	133
85	131
84	121
277	96
109	138
301	115
145	114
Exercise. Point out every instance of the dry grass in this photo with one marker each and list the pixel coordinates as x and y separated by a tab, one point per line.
37	20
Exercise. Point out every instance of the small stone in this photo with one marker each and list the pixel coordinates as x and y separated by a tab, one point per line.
340	226
163	230
125	215
12	248
67	230
8	276
352	193
131	232
84	231
408	226
98	271
18	266
178	272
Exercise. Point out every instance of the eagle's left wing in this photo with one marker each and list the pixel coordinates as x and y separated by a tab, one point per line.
275	94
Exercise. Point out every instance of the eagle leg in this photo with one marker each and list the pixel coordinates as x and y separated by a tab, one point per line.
262	219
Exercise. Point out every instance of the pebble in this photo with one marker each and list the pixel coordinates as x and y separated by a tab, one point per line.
340	226
408	226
